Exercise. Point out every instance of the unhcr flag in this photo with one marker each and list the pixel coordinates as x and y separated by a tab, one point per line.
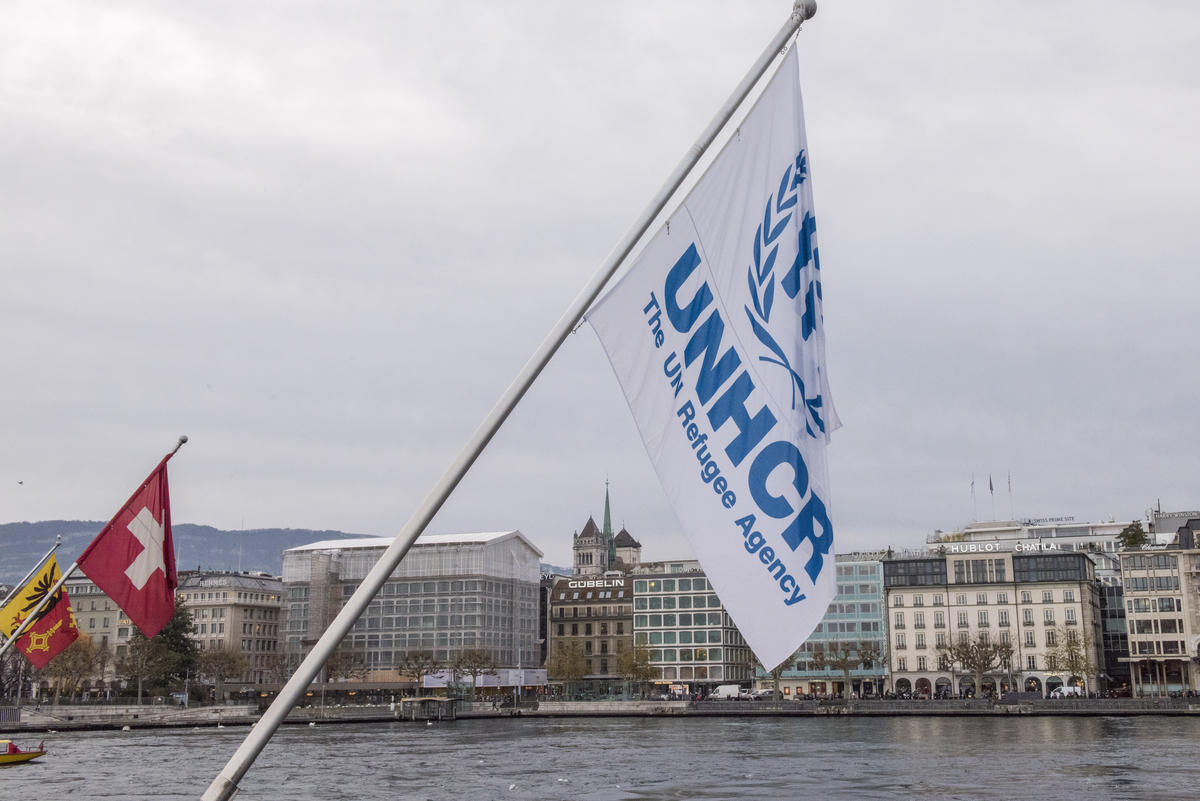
52	629
716	335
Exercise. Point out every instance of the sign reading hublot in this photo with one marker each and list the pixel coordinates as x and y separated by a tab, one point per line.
1000	547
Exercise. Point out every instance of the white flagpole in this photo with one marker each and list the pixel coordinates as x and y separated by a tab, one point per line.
225	785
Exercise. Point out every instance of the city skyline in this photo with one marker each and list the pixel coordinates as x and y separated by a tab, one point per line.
322	245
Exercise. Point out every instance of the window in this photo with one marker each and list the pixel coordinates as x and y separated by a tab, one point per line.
1027	617
1048	614
900	640
1069	596
922	663
1051	639
1002	597
940	639
962	620
939	620
981	598
897	600
960	599
983	618
1047	596
1029	641
1026	597
921	641
918	600
1070	613
902	663
918	620
1031	662
937	600
899	620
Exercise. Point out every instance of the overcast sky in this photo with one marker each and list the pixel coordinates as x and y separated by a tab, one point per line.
322	238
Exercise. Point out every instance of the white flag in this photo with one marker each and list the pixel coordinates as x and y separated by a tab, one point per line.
716	336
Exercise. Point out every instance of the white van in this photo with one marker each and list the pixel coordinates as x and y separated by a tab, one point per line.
726	691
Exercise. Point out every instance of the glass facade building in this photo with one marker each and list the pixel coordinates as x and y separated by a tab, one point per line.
450	593
854	619
691	638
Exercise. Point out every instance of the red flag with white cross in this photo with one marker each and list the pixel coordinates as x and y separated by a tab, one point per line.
133	560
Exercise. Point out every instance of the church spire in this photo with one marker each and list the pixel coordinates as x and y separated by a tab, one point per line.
609	539
608	532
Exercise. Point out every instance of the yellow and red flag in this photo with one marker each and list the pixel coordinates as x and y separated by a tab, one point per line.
52	629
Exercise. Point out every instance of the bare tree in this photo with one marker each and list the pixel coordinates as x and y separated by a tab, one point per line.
474	662
72	667
977	655
567	664
346	663
418	665
634	665
219	665
845	655
144	660
1072	654
776	673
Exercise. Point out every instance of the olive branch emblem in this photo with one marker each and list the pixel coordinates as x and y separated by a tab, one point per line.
760	276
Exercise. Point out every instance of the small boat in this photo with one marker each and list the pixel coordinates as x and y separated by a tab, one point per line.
10	754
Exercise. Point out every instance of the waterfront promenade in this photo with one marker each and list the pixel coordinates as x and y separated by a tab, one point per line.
93	717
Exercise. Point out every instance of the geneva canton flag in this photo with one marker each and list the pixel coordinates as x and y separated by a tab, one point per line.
716	336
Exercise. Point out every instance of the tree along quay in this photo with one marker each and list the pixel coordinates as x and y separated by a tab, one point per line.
76	718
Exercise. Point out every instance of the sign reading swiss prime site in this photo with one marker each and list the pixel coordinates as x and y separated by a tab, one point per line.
716	336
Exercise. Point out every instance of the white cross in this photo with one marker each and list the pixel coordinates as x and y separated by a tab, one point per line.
151	534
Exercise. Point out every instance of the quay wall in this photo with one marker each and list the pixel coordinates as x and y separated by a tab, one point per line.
63	718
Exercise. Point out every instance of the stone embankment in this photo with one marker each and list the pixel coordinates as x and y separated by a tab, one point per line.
61	718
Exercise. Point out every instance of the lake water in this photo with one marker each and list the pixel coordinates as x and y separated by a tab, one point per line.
636	759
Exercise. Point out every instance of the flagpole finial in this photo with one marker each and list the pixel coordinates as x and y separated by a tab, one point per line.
807	9
178	445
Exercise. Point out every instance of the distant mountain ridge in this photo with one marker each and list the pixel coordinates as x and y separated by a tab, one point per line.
196	546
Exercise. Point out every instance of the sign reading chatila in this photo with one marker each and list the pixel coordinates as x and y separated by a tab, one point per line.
716	335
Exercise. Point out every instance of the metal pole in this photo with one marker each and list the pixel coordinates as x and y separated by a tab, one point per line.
66	575
225	785
21	584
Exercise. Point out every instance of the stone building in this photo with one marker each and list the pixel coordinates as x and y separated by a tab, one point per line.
594	615
240	613
598	550
1028	600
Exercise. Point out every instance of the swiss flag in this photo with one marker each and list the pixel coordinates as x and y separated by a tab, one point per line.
133	561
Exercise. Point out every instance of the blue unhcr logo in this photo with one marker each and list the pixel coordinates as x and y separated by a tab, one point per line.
796	282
